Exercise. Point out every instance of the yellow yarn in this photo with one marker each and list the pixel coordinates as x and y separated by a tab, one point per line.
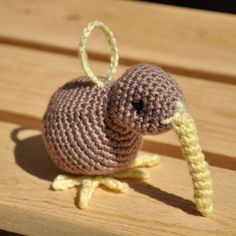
145	160
132	173
83	54
184	126
89	184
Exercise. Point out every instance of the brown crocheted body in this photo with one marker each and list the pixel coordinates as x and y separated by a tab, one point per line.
79	134
92	130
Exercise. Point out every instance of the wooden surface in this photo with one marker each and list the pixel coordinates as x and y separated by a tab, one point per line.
160	206
186	41
38	54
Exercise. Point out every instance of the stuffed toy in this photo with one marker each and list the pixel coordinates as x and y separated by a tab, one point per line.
93	127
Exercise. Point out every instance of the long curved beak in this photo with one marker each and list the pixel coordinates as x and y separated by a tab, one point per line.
185	128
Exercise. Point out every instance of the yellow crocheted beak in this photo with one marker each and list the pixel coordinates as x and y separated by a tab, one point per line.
185	128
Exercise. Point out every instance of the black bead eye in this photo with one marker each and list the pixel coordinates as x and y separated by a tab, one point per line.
138	106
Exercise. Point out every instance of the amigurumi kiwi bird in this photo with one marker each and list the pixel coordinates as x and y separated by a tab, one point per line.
93	127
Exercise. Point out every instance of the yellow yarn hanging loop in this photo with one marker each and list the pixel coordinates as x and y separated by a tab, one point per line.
83	53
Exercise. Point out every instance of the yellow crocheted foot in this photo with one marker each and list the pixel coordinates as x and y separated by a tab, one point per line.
89	184
145	160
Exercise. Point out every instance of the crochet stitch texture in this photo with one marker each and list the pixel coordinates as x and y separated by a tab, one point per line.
92	130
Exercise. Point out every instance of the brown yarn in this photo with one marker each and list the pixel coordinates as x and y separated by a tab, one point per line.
92	130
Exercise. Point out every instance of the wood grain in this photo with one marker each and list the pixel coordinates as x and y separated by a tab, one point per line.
184	41
161	205
29	77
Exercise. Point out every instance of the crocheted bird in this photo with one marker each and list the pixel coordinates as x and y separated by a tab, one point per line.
93	127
